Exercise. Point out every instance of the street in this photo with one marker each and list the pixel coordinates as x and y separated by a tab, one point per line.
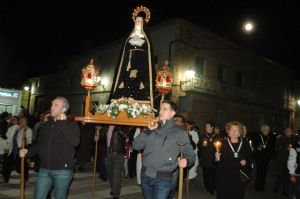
81	188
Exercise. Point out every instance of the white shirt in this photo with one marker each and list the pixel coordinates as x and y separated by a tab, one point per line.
10	136
28	137
195	138
3	145
292	162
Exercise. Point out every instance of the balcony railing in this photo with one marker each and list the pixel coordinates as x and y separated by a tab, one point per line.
218	89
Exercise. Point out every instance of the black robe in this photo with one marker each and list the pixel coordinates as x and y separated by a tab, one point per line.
135	76
229	184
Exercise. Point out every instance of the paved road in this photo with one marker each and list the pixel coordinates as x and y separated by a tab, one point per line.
82	183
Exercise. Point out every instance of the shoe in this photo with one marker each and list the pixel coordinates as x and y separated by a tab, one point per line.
3	181
80	169
103	178
193	181
285	194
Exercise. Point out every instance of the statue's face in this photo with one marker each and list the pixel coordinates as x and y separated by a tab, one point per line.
138	22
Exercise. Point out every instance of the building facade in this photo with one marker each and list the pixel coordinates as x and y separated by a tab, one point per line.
230	82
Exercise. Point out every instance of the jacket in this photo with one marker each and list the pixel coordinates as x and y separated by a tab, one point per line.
56	145
207	149
161	148
117	142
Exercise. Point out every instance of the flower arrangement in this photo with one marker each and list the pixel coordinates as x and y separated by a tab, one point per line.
128	105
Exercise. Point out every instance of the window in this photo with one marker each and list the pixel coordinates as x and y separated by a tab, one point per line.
238	78
155	59
221	72
199	66
37	83
70	82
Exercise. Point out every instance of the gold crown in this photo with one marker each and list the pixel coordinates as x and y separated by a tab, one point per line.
139	9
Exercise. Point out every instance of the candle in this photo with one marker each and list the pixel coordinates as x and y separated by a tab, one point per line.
218	145
250	143
204	143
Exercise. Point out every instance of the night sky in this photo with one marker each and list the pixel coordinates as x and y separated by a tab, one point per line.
38	37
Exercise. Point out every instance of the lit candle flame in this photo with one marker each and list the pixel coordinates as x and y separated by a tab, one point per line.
218	145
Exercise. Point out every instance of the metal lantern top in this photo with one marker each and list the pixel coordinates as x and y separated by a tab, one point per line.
164	79
89	76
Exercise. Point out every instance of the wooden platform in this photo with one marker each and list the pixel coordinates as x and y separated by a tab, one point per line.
122	119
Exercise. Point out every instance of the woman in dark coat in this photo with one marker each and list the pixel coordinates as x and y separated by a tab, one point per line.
235	156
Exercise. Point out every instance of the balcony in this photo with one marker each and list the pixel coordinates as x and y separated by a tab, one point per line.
215	88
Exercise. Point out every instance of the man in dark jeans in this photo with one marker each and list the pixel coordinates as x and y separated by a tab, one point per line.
161	143
56	150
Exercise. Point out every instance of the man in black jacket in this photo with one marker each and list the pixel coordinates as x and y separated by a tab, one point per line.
56	150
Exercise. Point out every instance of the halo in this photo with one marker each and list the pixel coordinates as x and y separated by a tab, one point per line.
139	9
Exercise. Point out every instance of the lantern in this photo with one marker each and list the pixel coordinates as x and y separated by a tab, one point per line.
164	80
90	76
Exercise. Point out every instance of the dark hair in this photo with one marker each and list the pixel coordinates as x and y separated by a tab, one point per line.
189	122
211	123
182	118
16	117
172	105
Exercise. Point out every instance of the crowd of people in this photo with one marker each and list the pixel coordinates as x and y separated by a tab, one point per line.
229	157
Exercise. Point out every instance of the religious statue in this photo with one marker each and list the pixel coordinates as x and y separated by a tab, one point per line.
135	74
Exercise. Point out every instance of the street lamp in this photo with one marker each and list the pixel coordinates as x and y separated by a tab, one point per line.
102	82
26	88
28	91
189	74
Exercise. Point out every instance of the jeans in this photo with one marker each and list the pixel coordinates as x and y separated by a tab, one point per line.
175	184
297	194
60	179
114	165
156	188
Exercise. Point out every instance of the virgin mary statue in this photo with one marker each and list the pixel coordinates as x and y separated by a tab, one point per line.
135	74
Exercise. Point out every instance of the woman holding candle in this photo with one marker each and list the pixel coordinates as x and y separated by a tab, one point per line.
233	158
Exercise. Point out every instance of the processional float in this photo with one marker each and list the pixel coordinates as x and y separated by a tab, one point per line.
123	111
